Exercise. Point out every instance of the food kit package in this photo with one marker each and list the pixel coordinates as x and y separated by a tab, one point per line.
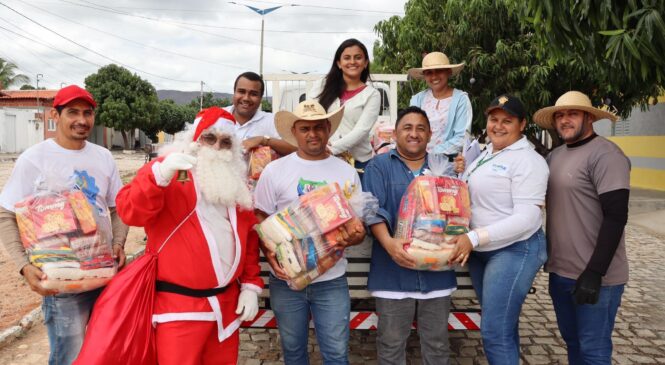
67	239
304	235
433	209
259	158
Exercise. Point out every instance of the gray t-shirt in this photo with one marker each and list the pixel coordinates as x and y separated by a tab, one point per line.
578	176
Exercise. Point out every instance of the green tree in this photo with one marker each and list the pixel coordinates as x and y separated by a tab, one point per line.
8	75
629	36
502	55
209	100
124	101
173	117
30	87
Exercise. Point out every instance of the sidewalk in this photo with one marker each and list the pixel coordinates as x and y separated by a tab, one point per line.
647	210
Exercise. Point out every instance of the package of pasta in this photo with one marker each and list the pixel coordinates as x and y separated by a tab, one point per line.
432	211
307	235
67	238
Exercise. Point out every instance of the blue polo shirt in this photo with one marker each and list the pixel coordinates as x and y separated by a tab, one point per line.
387	177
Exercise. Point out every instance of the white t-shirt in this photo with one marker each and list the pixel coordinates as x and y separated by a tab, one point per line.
437	113
516	175
284	180
91	168
261	124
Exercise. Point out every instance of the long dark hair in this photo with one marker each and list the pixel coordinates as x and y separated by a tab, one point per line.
335	84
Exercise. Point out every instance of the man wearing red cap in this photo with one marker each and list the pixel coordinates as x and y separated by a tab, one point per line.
201	227
93	169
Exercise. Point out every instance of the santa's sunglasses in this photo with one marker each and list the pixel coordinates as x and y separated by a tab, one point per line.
210	139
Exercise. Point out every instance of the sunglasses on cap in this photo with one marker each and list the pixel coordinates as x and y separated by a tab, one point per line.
225	141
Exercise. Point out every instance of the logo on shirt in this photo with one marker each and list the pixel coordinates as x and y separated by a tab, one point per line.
87	185
305	186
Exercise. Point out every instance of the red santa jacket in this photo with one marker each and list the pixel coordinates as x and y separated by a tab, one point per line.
189	257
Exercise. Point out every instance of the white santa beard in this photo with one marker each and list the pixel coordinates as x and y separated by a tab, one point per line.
220	175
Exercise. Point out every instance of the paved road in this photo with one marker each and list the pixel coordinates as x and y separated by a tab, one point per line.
639	336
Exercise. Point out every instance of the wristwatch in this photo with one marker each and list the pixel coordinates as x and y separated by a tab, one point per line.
266	140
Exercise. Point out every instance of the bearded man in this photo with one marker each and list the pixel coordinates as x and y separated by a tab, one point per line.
202	228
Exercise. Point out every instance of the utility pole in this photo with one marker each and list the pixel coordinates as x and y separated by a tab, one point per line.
261	12
201	106
39	77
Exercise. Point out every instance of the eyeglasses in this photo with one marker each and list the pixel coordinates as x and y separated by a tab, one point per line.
225	141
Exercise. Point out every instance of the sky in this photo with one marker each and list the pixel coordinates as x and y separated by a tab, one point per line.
177	44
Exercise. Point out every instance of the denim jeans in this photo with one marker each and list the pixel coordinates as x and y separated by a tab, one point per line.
329	304
587	329
395	320
66	317
502	279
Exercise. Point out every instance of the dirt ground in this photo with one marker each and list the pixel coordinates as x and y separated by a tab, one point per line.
16	298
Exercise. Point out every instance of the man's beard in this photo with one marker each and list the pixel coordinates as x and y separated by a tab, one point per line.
221	177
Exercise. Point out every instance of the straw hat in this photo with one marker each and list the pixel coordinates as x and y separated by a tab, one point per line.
570	100
307	110
433	61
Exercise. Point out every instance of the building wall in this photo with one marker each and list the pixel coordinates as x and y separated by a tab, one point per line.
642	139
26	131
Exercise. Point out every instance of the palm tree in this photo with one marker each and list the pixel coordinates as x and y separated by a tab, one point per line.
8	75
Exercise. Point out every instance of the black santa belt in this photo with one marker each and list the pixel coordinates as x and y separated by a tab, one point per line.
182	290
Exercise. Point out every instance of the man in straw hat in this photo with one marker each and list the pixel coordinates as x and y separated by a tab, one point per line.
201	228
448	109
327	297
587	209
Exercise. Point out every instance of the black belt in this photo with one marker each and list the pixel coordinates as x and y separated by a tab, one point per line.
177	289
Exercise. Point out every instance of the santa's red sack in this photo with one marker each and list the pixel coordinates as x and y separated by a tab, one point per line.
120	329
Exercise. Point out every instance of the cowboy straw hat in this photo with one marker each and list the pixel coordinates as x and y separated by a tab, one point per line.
433	61
570	100
307	110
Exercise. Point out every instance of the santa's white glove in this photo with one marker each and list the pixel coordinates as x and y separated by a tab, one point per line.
174	162
248	305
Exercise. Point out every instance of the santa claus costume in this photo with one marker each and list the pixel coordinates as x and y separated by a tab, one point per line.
208	251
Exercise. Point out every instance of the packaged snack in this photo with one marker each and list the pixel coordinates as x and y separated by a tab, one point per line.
304	235
67	239
433	209
259	158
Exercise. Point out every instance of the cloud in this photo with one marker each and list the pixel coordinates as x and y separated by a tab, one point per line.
164	41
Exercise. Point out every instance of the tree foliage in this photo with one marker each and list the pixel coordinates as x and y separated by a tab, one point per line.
502	55
173	117
629	36
124	101
8	75
209	100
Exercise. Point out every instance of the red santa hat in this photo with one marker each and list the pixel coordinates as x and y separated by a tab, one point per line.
216	118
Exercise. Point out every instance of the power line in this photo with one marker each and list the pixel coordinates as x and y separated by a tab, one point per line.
93	51
327	7
116	11
141	44
62	75
243	41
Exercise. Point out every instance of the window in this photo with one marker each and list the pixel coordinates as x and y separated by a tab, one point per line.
51	125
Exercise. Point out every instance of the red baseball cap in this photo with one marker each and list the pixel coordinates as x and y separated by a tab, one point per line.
71	93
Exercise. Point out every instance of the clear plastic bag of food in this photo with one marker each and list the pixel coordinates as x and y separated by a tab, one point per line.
65	236
304	235
259	158
433	210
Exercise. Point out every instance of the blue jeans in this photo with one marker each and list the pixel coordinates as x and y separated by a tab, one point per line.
330	305
587	329
66	317
502	279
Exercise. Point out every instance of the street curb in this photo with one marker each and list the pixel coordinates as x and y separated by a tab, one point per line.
12	333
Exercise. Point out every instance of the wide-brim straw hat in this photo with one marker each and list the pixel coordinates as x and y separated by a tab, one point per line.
307	110
433	61
570	100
